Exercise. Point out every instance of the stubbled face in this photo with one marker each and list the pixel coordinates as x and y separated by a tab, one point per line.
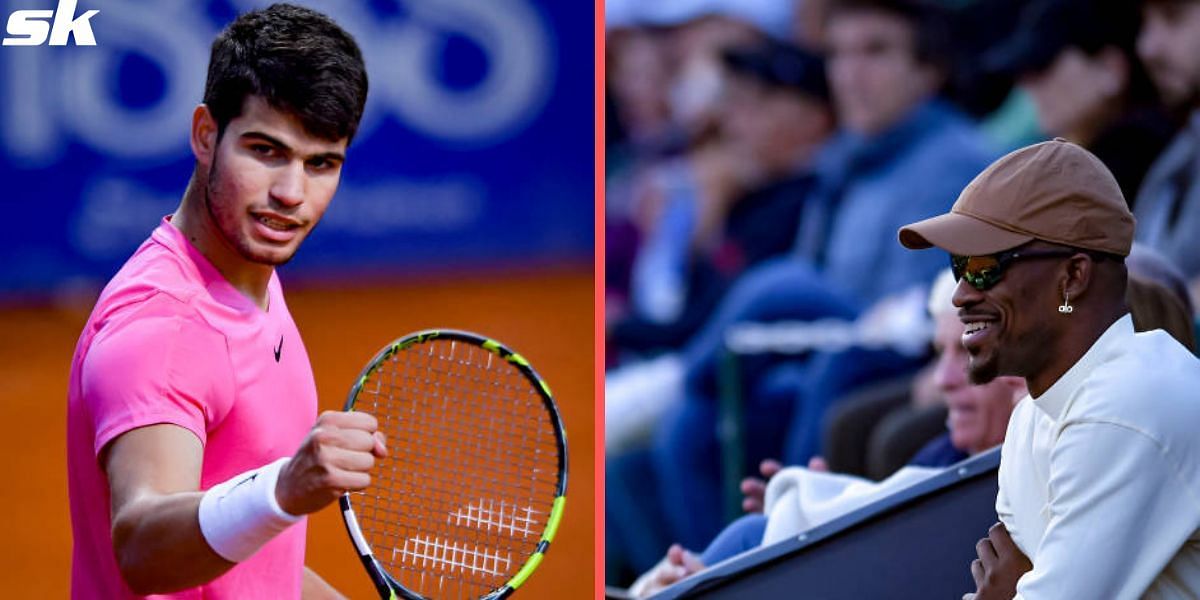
269	183
978	414
1169	45
1010	328
1072	90
873	70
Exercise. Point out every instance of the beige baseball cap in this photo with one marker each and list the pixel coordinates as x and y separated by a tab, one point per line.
1053	191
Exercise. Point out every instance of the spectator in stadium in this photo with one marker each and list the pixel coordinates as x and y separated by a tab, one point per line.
878	430
1078	61
902	153
1158	297
1168	205
1101	466
636	79
664	69
977	420
735	201
665	85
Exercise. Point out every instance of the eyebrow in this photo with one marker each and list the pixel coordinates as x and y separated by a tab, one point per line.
258	135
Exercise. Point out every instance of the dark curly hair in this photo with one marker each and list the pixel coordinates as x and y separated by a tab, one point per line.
930	23
298	60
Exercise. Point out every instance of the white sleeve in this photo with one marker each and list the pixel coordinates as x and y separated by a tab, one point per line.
1118	513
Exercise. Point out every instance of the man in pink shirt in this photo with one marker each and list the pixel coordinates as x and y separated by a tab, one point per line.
192	450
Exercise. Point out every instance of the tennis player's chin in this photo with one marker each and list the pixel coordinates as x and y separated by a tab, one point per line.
274	258
270	252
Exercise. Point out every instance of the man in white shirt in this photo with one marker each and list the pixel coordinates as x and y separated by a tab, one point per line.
1100	469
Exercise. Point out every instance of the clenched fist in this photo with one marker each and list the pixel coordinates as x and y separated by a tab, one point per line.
336	457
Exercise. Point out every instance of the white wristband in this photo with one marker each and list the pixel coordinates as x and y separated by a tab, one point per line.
240	515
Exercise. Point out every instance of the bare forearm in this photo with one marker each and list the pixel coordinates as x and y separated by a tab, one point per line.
159	546
315	588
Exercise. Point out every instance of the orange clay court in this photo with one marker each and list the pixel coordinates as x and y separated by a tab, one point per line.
547	317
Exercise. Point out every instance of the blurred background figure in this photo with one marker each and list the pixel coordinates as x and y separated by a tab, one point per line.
1158	296
1168	205
466	201
901	152
923	93
666	75
731	203
1078	62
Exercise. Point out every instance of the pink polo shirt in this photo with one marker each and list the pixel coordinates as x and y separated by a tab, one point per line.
171	341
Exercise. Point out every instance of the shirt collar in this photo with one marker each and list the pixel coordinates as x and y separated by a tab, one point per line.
1054	401
218	287
864	153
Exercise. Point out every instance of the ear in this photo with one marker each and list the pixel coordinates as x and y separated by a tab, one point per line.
1080	276
204	135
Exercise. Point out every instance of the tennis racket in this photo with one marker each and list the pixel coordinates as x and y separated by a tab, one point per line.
472	491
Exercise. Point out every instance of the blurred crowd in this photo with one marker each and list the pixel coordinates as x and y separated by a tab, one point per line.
761	156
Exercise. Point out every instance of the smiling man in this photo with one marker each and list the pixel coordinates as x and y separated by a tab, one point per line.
192	451
1100	469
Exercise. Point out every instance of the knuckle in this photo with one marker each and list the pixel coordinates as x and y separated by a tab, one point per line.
319	449
369	422
319	435
330	437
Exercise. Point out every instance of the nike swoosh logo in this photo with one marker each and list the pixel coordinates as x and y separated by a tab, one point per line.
240	483
279	350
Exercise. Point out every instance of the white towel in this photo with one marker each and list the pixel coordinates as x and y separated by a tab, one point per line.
799	499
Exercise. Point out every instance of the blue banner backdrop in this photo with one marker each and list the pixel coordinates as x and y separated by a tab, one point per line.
475	151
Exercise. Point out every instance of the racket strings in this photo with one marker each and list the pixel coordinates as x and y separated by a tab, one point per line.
464	496
479	447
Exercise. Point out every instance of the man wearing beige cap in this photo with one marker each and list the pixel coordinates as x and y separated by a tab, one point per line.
1100	470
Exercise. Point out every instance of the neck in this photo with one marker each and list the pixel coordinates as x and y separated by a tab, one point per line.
1087	131
1074	342
195	220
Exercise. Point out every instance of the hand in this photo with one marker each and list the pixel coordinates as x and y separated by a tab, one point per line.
818	464
334	458
678	563
754	489
999	566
